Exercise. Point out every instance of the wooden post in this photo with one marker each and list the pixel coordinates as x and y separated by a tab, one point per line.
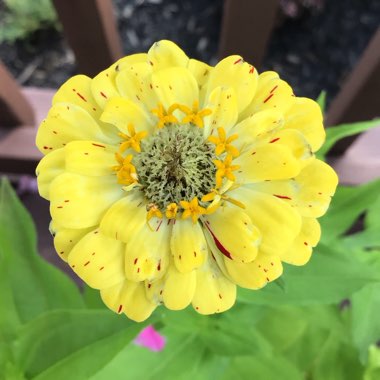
15	110
246	28
359	99
90	28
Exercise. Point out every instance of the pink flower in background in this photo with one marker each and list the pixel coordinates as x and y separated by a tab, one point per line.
150	339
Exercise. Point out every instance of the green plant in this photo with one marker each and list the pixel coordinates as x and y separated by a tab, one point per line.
22	17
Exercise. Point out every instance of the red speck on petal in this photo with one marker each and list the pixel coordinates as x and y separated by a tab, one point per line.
101	268
265	270
271	264
93	253
253	153
82	97
55	132
67	200
149	286
305	242
195	254
120	309
274	140
138	270
59	206
282	196
86	263
159	225
159	265
252	70
237	61
268	98
135	262
62	252
219	244
103	94
220	296
267	279
99	145
196	308
273	89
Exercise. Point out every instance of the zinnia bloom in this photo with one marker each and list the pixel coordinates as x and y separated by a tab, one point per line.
172	182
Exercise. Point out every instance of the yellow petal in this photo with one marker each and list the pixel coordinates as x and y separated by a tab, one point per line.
276	220
103	87
188	245
123	112
256	274
259	124
64	123
65	239
239	75
51	166
98	260
147	252
223	104
305	115
129	298
272	93
300	251
233	233
309	193
89	158
164	54
267	162
201	72
214	293
124	218
77	91
179	288
134	84
80	202
175	85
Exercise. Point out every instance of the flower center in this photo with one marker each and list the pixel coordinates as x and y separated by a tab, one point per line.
175	164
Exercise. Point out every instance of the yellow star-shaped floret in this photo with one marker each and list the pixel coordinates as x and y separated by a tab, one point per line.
132	140
192	209
223	144
194	115
165	117
225	169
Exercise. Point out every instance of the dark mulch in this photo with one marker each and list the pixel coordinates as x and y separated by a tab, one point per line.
313	52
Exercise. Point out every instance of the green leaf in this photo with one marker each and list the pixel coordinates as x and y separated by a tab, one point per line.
321	100
347	205
373	368
261	367
330	276
183	352
365	318
35	286
61	343
334	134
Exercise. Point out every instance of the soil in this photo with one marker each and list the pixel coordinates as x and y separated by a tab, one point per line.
313	52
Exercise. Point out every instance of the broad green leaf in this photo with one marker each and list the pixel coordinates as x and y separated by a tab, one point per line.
92	298
261	367
372	219
347	205
36	286
330	276
183	352
372	371
61	344
321	100
334	134
336	361
365	318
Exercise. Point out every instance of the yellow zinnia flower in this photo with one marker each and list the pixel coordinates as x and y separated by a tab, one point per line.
171	182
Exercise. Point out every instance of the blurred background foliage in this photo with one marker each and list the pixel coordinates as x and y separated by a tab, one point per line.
22	17
318	322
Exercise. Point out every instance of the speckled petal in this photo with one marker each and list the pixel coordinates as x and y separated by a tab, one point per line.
64	123
300	251
267	162
89	158
128	297
148	250
233	233
50	167
278	222
164	54
124	218
121	112
179	288
79	202
214	293
256	274
223	104
188	245
175	85
235	73
272	93
305	115
98	260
